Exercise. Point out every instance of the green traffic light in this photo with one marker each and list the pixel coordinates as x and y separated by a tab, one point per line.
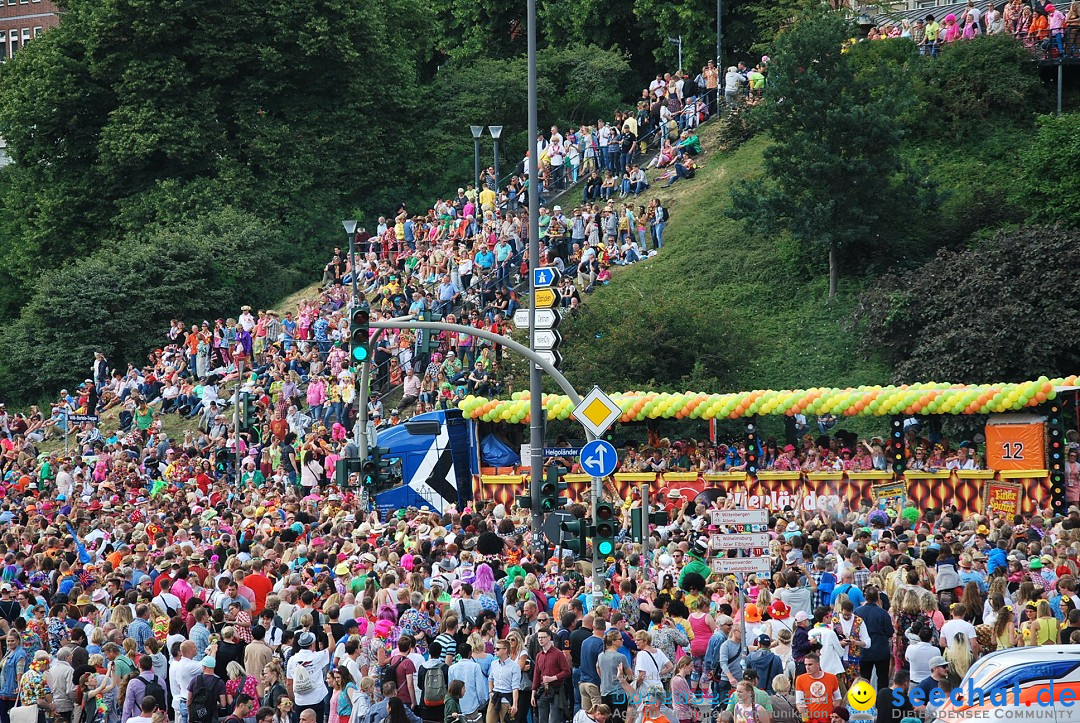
360	353
605	548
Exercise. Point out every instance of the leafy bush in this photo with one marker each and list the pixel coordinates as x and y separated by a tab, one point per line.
989	76
737	127
119	300
1048	187
1008	308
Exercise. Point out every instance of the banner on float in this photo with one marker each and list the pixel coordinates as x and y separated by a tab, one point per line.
889	492
1002	498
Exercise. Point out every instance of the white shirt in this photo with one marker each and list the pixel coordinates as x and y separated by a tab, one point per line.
170	601
181	673
918	656
832	655
651	663
316	664
847	625
951	628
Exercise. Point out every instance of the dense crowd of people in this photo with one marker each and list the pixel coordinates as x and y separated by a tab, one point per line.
1053	32
143	581
147	578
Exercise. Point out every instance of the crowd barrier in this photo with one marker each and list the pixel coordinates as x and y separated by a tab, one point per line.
1003	492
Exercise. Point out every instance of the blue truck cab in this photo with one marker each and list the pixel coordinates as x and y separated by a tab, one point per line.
437	456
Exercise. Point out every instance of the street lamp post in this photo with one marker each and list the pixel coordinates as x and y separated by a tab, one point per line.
477	131
496	133
350	228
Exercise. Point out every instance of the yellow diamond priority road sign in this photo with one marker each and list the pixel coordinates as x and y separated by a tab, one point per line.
597	412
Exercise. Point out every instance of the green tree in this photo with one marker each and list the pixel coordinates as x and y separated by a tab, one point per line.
832	176
138	110
1008	308
1048	188
490	91
119	300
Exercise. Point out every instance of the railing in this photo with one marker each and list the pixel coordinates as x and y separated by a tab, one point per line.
1045	45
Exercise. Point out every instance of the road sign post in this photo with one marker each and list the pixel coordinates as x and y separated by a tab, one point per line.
749	536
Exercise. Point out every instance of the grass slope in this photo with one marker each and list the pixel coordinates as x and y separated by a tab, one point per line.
717	309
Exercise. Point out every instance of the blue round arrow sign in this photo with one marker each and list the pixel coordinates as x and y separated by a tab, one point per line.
599	458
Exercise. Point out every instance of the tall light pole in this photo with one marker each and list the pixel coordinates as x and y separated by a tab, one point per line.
477	132
536	406
719	10
350	228
496	132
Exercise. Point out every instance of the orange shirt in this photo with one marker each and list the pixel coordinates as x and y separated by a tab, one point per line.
819	694
261	586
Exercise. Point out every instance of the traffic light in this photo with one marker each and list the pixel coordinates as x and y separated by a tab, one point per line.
359	338
345	468
248	420
604	521
429	340
380	467
524	501
639	526
551	490
576	536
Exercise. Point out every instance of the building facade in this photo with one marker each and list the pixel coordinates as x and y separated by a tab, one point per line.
23	20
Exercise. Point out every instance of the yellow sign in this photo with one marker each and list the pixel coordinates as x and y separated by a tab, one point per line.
546	298
597	411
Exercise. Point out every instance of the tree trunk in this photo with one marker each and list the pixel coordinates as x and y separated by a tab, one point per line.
832	270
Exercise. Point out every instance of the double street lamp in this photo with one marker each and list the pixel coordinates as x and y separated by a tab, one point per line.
477	134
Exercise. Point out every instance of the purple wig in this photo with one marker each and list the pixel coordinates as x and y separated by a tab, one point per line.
484	579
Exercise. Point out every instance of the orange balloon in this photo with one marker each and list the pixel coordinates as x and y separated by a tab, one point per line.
1041	396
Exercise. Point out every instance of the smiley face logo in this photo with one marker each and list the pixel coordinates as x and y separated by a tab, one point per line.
862	696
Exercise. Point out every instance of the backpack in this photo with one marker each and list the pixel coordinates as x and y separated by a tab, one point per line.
154	688
389	673
202	708
303	680
434	689
664	212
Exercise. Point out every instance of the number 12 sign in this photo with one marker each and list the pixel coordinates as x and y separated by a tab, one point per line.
1016	446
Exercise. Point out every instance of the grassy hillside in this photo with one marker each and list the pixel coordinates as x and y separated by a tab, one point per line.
717	309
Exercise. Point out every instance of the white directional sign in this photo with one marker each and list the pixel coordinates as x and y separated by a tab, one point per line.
741	565
545	276
739	542
546	339
545	319
742	517
551	357
599	458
